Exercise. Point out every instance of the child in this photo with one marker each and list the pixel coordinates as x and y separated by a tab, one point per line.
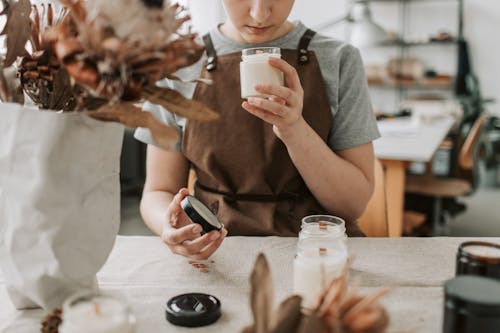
265	163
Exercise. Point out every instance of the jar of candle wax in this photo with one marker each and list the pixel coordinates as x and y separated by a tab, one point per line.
321	257
479	258
254	69
83	313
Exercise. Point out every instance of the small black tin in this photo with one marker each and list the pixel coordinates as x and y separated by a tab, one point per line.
199	213
472	305
193	310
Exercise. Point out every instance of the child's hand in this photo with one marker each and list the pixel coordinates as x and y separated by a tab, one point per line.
183	237
284	111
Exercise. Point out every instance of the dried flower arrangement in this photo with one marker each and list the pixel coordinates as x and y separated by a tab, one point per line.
100	55
336	312
51	322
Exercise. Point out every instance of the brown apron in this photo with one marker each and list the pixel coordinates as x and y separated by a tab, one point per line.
245	175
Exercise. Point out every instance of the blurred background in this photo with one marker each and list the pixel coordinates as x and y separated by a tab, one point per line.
425	60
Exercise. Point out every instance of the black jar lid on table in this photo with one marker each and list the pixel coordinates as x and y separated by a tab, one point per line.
193	310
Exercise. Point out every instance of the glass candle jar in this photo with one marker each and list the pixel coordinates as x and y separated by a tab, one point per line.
320	229
479	258
83	313
321	256
254	69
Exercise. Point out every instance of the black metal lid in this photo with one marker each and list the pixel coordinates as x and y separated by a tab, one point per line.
476	295
199	213
193	310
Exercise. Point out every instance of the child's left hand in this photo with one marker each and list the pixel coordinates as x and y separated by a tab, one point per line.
283	111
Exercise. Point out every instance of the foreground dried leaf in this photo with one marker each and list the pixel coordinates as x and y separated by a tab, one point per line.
51	322
336	311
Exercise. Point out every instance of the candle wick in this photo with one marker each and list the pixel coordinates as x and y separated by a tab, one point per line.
97	309
322	252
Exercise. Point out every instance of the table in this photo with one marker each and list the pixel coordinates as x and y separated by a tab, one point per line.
402	143
144	272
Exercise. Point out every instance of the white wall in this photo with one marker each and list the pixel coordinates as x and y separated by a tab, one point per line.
482	26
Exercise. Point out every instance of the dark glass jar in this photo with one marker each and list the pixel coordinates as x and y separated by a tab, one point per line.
472	305
479	258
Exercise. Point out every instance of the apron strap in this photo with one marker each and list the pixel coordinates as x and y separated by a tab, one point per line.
304	45
211	53
233	197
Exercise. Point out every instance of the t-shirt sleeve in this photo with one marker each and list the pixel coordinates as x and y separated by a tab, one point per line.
354	122
187	88
144	134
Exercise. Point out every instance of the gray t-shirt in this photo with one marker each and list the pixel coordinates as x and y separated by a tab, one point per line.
342	70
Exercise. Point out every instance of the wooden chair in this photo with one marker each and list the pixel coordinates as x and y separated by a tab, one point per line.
374	221
438	188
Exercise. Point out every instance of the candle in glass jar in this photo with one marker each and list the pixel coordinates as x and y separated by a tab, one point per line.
314	270
255	69
96	314
479	258
483	251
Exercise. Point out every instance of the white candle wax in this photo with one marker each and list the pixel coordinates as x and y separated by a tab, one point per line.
96	315
314	271
482	251
255	69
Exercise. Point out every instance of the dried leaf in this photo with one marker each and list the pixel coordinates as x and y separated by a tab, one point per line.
128	114
5	7
288	316
364	303
374	320
4	89
10	86
262	295
311	324
17	29
178	104
62	92
18	96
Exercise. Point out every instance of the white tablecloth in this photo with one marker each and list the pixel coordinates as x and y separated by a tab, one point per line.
142	271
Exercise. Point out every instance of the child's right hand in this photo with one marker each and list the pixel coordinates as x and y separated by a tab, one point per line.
184	237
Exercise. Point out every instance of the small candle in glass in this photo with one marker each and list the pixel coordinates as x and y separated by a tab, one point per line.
255	69
320	229
479	258
83	313
321	256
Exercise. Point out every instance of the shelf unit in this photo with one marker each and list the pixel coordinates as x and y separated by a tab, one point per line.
404	46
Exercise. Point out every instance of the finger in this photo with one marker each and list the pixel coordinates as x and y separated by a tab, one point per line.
175	208
262	114
278	100
211	248
272	89
267	105
177	236
291	77
195	246
365	321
